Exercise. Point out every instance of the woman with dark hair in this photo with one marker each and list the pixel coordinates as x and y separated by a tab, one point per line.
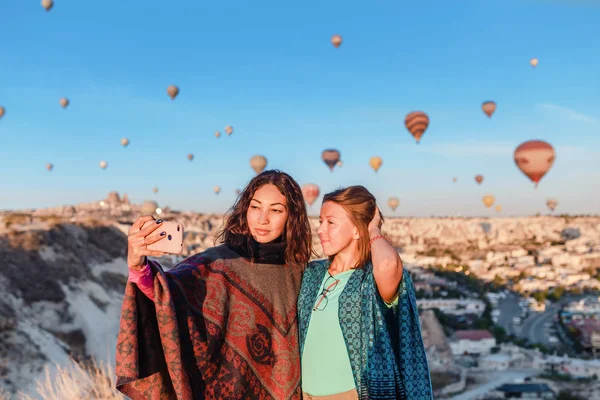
222	323
360	336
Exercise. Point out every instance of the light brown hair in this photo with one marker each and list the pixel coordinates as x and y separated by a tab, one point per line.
360	205
297	233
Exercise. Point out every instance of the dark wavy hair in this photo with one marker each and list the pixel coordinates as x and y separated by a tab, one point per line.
297	232
360	205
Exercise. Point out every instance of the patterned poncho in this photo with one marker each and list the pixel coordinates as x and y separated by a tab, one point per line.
385	347
219	327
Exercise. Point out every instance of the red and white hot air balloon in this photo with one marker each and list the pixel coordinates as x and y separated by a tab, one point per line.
535	158
310	191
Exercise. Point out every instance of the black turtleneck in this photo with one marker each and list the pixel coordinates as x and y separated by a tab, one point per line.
263	253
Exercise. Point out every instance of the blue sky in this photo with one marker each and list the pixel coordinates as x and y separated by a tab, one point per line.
269	70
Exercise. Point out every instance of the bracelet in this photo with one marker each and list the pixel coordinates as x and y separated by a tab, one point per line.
374	238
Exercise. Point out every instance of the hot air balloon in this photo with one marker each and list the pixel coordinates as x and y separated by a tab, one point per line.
416	122
534	62
551	203
534	158
64	102
310	191
229	130
393	202
238	191
336	40
488	108
498	208
454	179
217	134
217	189
172	91
149	207
375	163
155	189
479	179
488	200
2	111
330	157
258	163
339	164
190	156
125	142
103	164
49	166
47	4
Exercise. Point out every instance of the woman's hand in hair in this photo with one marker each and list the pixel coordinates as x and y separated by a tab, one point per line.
387	265
139	239
375	224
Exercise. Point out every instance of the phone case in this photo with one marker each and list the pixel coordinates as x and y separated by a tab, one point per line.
172	243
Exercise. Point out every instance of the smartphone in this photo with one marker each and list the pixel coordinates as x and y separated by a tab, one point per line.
172	243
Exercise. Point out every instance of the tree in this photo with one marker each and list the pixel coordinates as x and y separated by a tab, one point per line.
499	333
566	395
539	296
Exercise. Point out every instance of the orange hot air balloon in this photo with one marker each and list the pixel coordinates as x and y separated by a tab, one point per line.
124	142
229	130
534	62
190	156
172	91
488	200
310	191
375	162
534	158
551	203
330	157
64	102
417	122
103	164
217	134
49	166
336	40
2	111
488	108
393	202
47	4
217	189
454	179
479	179
155	189
258	164
498	208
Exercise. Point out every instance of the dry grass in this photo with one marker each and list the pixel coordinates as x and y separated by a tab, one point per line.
77	381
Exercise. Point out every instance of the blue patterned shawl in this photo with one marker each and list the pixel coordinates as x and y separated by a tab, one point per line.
386	349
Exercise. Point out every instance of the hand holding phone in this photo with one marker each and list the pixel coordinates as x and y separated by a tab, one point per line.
172	241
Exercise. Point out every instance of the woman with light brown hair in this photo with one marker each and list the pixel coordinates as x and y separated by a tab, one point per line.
222	324
360	336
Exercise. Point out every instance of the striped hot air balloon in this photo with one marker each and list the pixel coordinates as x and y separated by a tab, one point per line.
488	108
534	158
330	157
417	122
310	191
